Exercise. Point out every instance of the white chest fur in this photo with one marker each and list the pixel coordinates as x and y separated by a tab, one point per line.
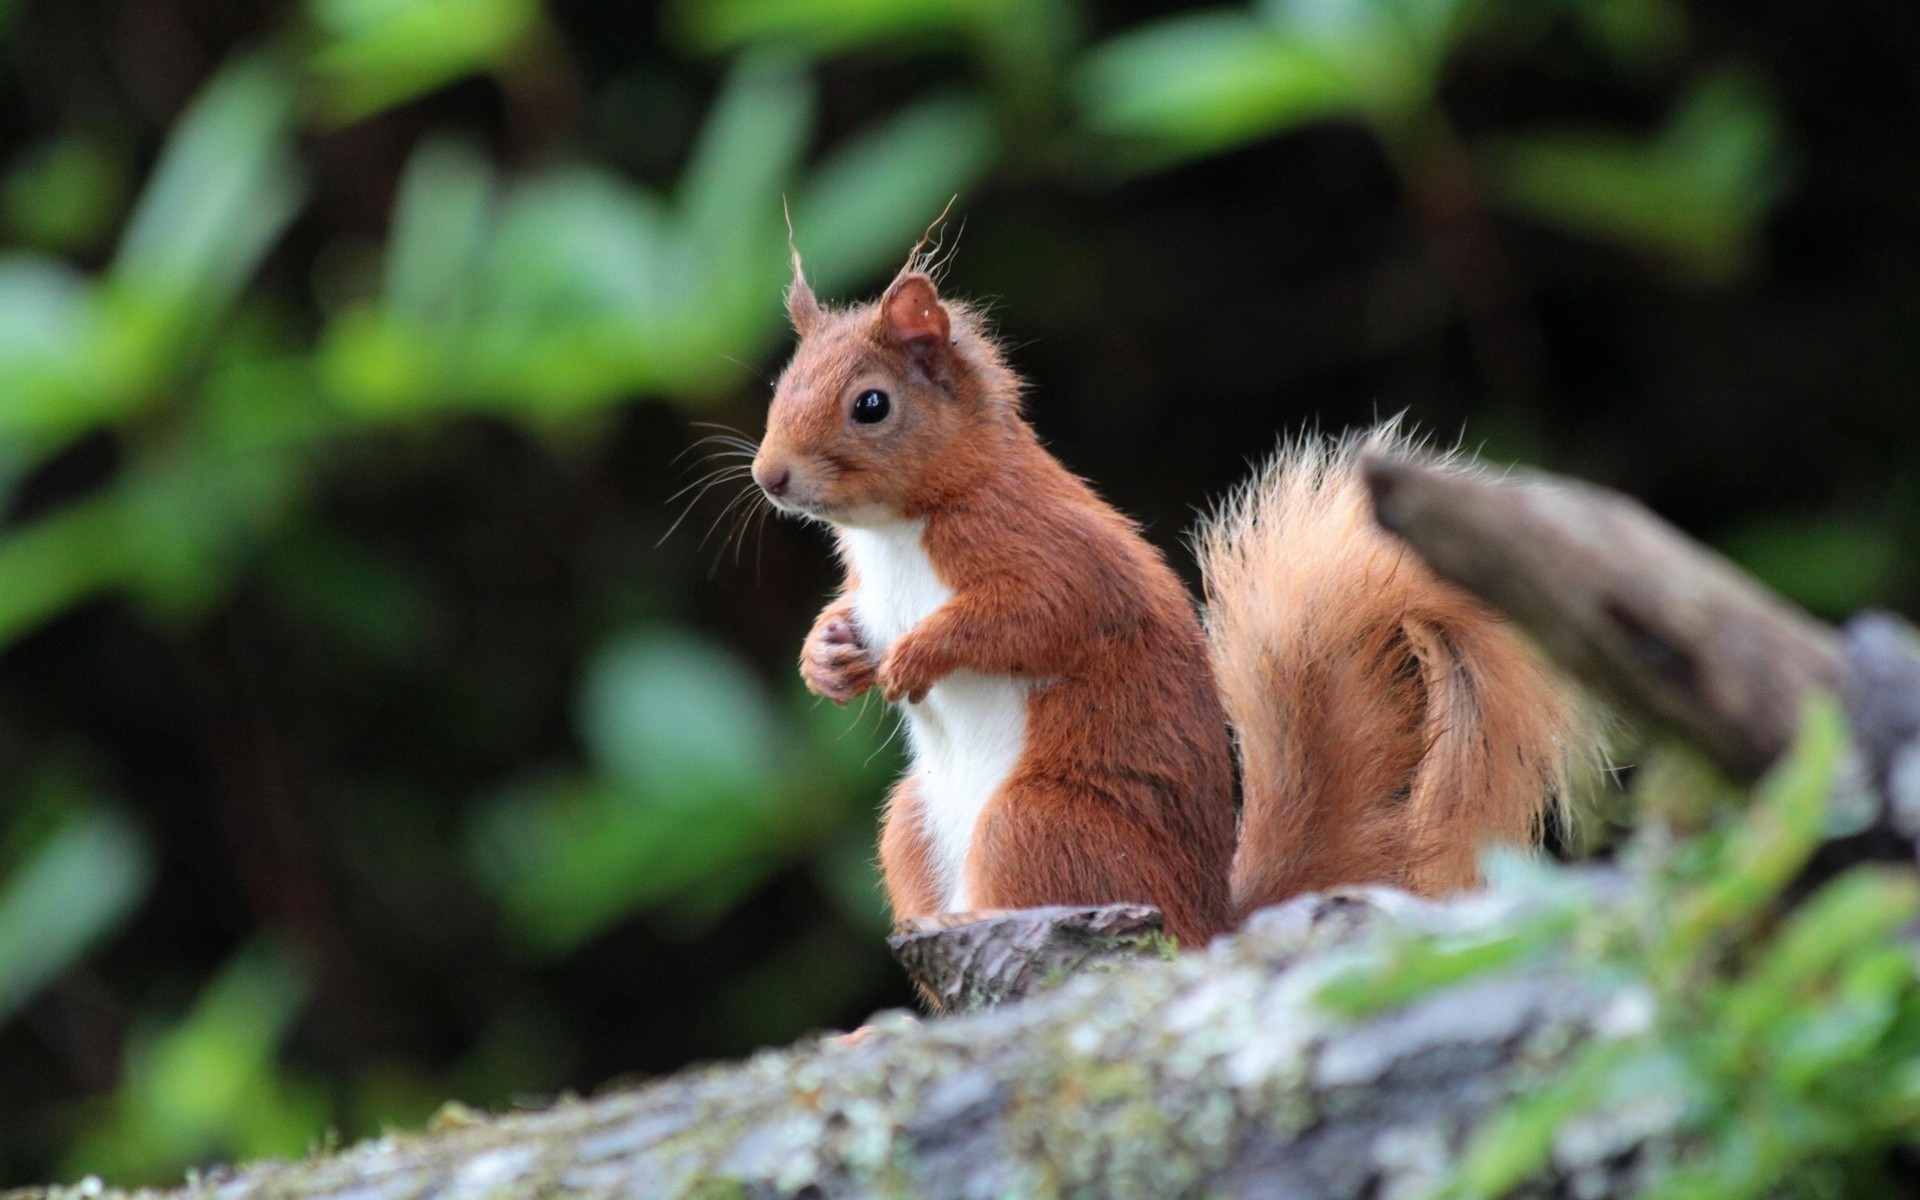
967	735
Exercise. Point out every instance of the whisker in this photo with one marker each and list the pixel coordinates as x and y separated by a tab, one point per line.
760	543
721	461
899	722
718	474
731	441
736	534
725	475
726	460
749	369
723	427
741	517
755	518
724	513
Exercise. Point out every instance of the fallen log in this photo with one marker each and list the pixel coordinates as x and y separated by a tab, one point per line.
1665	628
966	961
1220	1072
1655	621
1214	1073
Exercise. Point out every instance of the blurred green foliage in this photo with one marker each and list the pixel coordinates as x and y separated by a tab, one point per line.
699	788
210	1085
1698	190
371	54
65	890
1784	1051
226	326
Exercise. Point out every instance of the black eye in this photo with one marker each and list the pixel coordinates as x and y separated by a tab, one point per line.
871	407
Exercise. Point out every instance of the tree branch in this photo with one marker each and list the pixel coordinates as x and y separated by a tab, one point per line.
1221	1072
1654	620
1215	1072
965	961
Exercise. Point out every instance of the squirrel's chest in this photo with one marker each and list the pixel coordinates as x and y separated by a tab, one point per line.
969	732
898	585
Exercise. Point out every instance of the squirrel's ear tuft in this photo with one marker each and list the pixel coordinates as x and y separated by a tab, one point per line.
913	317
802	308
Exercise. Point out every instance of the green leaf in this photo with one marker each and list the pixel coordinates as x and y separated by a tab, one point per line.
1834	565
824	25
374	365
748	148
189	521
1422	966
441	221
53	376
377	53
584	289
210	1085
1196	84
584	241
568	858
413	351
1696	193
1851	916
60	558
62	194
357	596
1774	840
562	862
677	715
1634	34
1391	51
700	796
1516	1143
74	889
225	188
590	295
875	194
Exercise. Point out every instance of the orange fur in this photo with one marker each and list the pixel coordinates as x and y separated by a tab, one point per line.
1387	723
905	871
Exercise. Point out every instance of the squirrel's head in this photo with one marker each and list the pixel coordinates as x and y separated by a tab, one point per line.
887	408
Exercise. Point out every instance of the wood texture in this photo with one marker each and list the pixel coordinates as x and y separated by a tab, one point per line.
961	962
1653	620
1215	1074
1219	1072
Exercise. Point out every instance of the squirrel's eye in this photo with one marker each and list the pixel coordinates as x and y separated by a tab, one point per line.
871	407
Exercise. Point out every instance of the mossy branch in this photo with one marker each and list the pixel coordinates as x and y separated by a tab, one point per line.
1215	1072
1358	1045
1655	621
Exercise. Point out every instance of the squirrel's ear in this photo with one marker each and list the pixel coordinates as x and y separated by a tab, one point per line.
802	308
914	318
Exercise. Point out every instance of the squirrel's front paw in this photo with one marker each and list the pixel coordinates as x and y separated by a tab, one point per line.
910	670
835	663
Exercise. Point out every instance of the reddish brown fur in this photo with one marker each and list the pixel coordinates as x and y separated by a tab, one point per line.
1384	680
1390	725
1124	791
905	866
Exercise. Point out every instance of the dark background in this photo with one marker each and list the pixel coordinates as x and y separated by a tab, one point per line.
363	746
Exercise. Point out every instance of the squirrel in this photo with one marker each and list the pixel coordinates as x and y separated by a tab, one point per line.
1073	721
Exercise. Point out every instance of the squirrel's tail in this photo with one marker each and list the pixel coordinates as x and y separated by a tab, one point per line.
1389	724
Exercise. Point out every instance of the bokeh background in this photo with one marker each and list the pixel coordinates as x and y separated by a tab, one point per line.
367	739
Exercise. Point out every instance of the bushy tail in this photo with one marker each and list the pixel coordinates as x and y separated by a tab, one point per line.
1389	724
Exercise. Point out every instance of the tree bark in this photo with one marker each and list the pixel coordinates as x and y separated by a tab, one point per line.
1215	1073
1221	1072
960	962
1655	621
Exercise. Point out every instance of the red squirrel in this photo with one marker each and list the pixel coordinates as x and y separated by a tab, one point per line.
1072	727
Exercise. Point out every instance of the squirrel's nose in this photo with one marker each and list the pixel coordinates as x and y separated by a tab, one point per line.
773	478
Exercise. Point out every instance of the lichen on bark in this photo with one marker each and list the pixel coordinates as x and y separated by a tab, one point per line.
1217	1073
